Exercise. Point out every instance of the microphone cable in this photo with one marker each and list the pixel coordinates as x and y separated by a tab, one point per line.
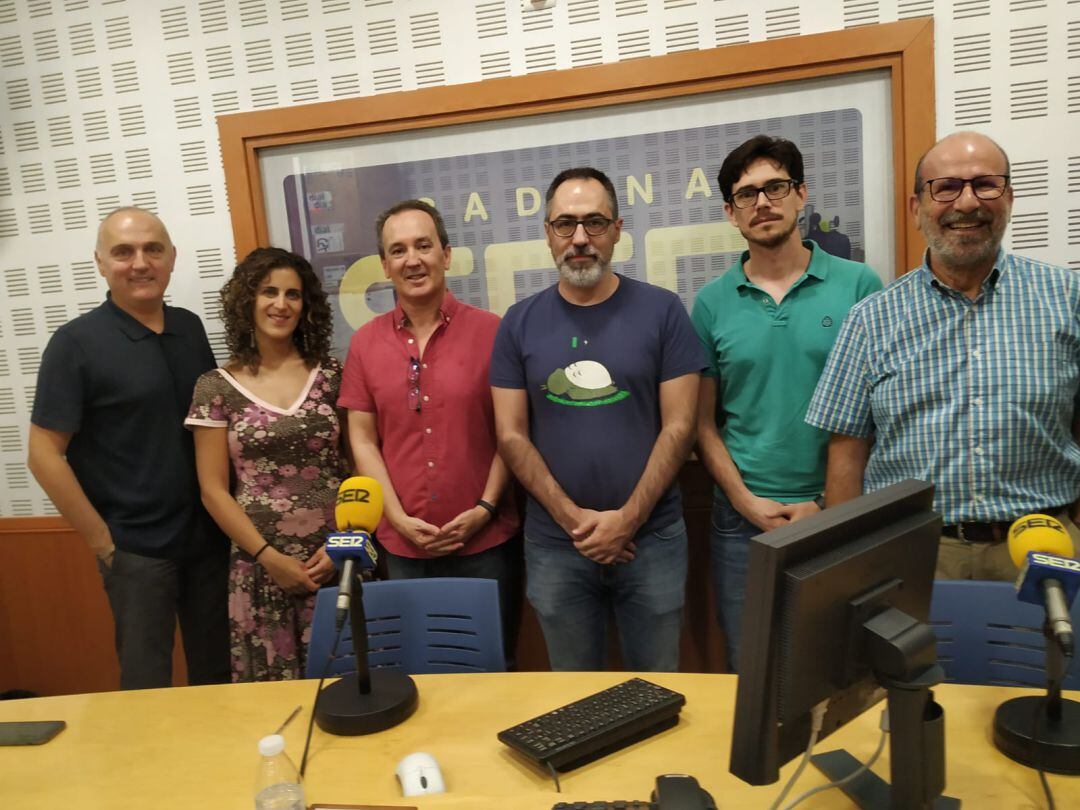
315	704
1038	764
1035	729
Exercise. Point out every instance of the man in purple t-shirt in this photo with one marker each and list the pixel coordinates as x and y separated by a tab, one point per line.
595	382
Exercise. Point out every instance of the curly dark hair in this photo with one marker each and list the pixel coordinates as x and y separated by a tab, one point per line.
312	335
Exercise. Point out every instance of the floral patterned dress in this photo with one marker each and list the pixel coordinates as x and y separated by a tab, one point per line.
287	468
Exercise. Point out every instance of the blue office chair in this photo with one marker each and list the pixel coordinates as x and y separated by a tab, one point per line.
987	636
442	624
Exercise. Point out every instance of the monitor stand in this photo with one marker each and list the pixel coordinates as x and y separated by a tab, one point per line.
916	753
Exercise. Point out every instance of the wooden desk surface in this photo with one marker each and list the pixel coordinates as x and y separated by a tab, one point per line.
196	747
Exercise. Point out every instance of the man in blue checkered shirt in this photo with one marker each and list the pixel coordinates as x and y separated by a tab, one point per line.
964	372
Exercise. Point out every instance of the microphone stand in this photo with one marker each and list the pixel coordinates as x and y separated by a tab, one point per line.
1042	732
358	625
365	702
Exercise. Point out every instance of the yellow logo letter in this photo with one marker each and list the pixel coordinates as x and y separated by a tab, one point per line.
475	207
633	189
698	184
527	209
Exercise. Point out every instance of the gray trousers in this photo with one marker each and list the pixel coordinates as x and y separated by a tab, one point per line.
147	596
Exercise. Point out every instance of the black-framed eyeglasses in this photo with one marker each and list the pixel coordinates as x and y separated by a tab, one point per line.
594	225
774	190
985	187
413	380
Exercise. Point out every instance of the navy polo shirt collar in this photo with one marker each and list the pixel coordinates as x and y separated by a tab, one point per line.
131	327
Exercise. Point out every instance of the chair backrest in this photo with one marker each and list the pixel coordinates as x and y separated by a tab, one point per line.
987	636
441	624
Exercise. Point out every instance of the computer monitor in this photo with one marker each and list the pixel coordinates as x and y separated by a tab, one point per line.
837	606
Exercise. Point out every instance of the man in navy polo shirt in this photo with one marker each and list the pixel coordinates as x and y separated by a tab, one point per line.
108	446
595	383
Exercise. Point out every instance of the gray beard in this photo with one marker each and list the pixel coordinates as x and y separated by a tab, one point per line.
962	256
957	251
585	278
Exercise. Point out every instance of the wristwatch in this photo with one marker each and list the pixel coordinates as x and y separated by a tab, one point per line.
820	502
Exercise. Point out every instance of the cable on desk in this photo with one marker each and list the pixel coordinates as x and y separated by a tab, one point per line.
817	717
1053	686
315	704
884	724
555	776
1035	740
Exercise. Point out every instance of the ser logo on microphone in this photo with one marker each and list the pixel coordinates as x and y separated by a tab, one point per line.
1055	562
359	540
1036	522
354	496
357	546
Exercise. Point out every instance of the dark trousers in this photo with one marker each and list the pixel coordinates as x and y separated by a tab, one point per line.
147	596
502	563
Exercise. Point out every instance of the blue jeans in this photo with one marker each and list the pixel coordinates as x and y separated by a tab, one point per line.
729	553
572	595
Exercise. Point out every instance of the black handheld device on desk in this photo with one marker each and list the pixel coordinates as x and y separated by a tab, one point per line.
673	792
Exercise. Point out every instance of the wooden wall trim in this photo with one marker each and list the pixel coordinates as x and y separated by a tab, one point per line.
904	48
33	525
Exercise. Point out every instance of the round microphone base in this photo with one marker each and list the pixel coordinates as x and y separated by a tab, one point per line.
344	711
1054	745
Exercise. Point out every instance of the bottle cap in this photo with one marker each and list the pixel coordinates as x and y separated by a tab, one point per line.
271	745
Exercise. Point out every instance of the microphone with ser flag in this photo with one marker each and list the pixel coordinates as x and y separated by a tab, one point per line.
357	514
1041	731
366	701
1049	576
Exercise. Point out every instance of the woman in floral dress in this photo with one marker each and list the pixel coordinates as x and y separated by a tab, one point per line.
267	422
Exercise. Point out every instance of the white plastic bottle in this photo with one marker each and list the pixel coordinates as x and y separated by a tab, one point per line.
277	784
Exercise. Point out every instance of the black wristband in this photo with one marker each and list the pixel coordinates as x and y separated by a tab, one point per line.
255	556
820	501
488	507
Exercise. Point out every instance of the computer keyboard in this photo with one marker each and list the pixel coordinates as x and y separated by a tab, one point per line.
594	726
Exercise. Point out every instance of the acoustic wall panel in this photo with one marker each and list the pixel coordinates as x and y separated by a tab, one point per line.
112	102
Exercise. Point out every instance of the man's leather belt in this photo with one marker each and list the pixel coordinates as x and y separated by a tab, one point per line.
996	532
979	532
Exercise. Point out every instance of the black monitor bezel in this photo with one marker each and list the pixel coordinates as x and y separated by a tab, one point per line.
756	751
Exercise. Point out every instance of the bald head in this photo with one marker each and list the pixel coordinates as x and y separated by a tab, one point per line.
964	230
960	147
136	257
129	213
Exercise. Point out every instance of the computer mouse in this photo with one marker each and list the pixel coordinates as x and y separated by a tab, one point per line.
419	774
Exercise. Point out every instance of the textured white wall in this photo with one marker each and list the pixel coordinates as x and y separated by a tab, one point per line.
110	102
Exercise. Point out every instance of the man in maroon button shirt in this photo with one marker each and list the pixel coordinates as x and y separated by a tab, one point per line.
421	420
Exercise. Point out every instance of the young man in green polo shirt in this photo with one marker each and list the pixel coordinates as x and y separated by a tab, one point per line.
767	326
